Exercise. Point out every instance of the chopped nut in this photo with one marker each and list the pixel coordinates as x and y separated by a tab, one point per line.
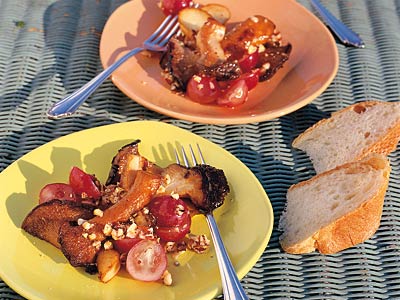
252	49
180	210
266	66
96	244
131	231
254	19
98	212
81	221
261	48
92	236
145	210
85	235
108	245
170	247
107	229
117	234
198	243
86	225
161	189
175	195
198	80
167	278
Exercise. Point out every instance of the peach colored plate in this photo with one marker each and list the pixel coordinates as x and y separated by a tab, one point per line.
308	72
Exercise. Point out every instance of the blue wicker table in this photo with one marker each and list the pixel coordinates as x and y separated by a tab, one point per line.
49	48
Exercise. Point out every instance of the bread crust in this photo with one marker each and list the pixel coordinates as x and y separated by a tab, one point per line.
353	228
385	145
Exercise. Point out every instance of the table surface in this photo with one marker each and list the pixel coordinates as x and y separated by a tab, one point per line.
41	61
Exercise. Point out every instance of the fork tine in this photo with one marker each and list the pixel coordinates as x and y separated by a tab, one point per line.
184	156
201	155
177	157
194	160
192	155
164	29
168	37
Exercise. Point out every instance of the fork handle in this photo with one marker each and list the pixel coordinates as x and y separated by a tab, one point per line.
231	286
347	36
68	105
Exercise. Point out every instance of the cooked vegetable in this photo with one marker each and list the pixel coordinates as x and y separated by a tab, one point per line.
219	12
75	240
208	42
45	220
204	185
191	20
108	264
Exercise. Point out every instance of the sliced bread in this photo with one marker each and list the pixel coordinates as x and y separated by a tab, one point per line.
352	133
336	209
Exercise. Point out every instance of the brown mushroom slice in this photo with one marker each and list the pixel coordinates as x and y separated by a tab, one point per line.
45	220
204	185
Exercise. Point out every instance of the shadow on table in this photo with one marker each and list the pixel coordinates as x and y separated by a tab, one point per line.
67	58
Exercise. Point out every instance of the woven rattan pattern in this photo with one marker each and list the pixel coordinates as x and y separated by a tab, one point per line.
49	48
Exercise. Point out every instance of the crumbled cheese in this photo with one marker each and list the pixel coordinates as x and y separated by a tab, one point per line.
145	210
98	212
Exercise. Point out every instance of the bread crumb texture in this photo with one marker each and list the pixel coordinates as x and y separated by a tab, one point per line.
351	134
336	209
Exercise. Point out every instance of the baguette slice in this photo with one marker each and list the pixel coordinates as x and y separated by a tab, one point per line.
336	209
351	134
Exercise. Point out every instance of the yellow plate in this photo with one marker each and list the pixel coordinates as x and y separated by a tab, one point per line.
311	67
37	270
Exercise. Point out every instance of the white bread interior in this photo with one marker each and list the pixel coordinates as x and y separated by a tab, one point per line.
352	133
335	209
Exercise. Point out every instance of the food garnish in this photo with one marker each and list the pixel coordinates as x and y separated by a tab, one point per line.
142	213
